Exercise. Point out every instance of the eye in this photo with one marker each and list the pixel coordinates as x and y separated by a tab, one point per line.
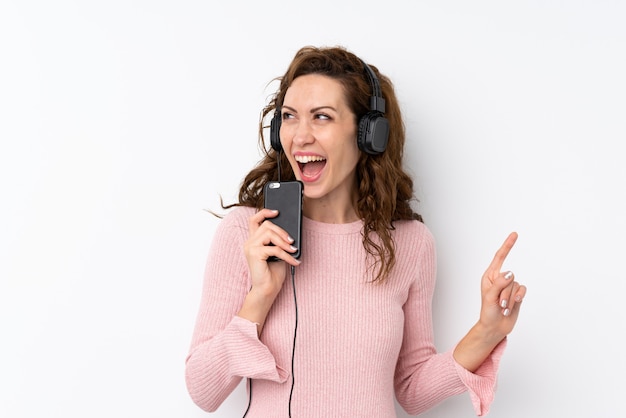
322	116
287	115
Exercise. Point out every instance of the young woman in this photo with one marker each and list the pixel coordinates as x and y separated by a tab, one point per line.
347	327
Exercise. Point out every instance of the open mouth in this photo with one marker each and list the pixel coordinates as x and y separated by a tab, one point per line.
310	165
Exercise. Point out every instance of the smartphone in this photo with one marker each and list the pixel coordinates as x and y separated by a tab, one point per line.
286	197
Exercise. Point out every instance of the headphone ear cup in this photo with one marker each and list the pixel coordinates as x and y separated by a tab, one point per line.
275	132
373	133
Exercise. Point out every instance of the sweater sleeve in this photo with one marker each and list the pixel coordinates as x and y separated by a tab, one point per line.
225	348
424	378
482	383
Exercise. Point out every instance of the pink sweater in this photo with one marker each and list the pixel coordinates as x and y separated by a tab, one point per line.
358	344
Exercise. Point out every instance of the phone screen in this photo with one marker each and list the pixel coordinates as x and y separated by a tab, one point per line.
286	197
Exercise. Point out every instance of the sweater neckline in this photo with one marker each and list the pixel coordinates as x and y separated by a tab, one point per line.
334	229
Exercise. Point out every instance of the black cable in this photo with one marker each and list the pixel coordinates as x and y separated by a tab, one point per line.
295	330
249	397
278	164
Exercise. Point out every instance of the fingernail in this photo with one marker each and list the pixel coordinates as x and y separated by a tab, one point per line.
290	239
518	298
503	303
293	248
507	312
508	275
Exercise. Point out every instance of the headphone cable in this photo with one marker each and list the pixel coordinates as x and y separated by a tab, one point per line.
278	164
295	330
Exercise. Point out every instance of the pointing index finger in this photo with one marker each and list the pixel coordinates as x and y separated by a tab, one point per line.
502	253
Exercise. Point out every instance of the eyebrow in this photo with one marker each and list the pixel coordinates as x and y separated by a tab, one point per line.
315	109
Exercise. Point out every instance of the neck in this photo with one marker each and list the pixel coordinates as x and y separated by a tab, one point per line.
328	211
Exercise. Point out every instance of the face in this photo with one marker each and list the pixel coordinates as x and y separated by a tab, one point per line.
318	135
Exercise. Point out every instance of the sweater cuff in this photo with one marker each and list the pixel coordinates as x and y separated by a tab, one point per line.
481	384
248	356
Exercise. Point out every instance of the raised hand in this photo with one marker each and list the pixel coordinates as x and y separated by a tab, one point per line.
501	294
501	300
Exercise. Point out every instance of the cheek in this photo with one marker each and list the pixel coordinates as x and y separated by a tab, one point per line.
294	166
351	153
345	165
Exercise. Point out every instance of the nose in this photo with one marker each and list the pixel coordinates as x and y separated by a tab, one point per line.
302	133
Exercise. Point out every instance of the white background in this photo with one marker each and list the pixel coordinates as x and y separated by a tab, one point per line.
122	121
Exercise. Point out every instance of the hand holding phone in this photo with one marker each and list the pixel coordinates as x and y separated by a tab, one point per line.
286	197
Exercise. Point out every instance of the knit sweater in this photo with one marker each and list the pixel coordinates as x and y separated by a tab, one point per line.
358	344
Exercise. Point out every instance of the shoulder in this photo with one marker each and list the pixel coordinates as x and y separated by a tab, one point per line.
239	215
413	236
412	230
236	219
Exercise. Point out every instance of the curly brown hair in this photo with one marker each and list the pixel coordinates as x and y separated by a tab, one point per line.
385	189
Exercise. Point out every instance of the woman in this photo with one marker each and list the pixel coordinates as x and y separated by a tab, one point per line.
360	329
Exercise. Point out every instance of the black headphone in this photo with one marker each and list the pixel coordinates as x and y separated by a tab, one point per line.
373	126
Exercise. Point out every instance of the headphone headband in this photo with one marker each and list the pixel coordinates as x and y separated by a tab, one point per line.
377	102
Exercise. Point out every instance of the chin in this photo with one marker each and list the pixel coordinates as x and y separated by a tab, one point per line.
312	192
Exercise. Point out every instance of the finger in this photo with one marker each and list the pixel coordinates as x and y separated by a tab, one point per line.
263	214
258	218
273	235
288	258
277	230
268	213
271	239
517	300
502	253
507	308
267	240
258	225
505	294
512	302
278	252
500	288
519	294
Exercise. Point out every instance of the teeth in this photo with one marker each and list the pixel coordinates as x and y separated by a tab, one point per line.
308	158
